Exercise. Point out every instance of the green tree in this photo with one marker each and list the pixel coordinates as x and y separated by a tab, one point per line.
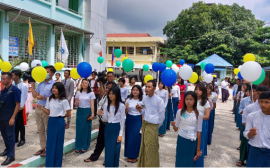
230	31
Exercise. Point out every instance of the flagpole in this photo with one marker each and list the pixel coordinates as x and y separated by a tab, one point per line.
61	45
28	42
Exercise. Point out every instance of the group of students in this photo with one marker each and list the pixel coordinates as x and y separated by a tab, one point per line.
252	117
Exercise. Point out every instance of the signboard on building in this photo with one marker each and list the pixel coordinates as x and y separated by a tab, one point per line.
144	51
13	46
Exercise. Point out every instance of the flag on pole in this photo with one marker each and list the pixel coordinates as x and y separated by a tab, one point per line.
63	50
100	54
126	52
112	56
30	39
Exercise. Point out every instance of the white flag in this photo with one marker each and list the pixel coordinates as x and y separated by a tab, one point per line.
63	50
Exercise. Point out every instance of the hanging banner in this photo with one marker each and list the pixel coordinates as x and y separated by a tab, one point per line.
13	46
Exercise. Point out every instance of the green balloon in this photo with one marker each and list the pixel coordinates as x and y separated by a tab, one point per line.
118	63
118	53
168	63
128	65
203	65
44	63
100	59
145	67
261	78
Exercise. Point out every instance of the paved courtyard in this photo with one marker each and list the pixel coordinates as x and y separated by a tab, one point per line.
222	152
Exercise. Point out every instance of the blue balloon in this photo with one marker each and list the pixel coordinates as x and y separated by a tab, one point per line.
168	77
182	62
234	92
84	69
240	76
209	68
155	66
162	67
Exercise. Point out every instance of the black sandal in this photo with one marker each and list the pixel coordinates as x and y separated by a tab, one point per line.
135	160
86	160
39	152
43	154
240	163
238	148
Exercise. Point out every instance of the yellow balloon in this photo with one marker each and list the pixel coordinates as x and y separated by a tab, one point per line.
215	76
58	66
148	78
5	66
74	74
39	74
249	57
62	64
110	70
123	59
236	71
194	77
0	62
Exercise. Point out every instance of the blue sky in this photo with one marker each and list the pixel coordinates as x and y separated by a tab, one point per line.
151	16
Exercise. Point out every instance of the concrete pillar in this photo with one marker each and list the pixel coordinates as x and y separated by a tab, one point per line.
53	8
4	37
51	47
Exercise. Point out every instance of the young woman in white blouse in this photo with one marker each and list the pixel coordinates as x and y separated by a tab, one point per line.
176	97
129	86
114	113
123	89
133	125
162	93
188	123
57	107
211	120
84	100
203	107
239	95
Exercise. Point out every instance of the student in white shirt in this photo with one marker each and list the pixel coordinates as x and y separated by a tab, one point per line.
258	132
203	107
162	93
129	86
224	90
57	107
133	125
169	109
84	100
234	89
188	123
143	87
176	97
123	89
153	118
211	121
114	113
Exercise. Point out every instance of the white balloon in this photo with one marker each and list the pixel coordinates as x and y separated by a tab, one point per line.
239	67
251	71
35	63
208	78
24	66
204	74
185	72
97	48
175	68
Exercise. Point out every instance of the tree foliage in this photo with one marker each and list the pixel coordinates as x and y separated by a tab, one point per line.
230	31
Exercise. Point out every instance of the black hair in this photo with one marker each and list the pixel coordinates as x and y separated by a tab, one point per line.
261	88
239	89
52	69
162	84
58	74
153	83
8	74
122	80
254	87
88	87
140	90
209	86
67	71
123	74
132	78
238	80
265	95
17	73
182	81
247	84
204	97
110	73
61	89
25	78
111	83
194	95
94	72
118	100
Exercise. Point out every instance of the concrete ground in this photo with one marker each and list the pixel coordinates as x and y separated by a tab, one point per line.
222	152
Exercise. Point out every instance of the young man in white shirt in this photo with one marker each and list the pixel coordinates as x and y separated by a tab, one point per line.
153	119
258	132
225	90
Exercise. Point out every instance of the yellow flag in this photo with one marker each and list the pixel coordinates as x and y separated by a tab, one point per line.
126	52
30	39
